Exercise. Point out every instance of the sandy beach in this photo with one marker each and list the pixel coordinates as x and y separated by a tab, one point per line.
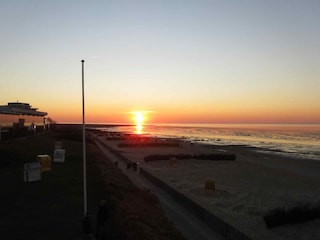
247	188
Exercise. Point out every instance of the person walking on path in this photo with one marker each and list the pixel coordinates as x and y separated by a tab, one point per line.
102	216
87	227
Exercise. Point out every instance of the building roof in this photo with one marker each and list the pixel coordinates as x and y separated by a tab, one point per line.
17	108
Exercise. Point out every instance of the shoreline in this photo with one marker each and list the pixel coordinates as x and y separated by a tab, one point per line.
307	152
246	188
283	141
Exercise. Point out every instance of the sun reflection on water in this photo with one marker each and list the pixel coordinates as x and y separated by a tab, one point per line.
138	129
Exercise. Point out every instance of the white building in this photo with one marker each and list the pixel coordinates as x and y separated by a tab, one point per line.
21	115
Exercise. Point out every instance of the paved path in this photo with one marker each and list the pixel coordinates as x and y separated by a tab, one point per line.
186	222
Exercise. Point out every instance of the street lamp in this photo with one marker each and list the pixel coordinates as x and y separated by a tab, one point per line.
84	147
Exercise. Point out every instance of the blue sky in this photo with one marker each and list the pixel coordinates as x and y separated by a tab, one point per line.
186	61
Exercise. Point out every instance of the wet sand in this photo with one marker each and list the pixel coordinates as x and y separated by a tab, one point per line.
255	183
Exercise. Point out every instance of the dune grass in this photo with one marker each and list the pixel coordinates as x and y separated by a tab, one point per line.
47	209
53	207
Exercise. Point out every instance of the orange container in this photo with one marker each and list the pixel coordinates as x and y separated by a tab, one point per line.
45	162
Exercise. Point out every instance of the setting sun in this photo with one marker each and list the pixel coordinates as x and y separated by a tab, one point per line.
139	118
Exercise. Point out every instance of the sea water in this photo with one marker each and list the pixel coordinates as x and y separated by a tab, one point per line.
299	141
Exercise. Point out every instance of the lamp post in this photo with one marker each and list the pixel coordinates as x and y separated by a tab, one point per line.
84	147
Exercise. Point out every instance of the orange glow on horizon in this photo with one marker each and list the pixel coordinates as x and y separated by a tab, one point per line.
191	113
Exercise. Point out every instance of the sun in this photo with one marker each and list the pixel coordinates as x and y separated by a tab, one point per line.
139	118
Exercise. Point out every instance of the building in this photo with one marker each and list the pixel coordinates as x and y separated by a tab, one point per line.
18	115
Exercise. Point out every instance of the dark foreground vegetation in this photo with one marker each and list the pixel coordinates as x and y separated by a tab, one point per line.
302	212
53	207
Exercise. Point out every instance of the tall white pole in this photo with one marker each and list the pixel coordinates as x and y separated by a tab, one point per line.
84	147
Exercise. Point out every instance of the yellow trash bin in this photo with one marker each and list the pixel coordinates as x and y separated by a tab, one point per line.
210	185
45	162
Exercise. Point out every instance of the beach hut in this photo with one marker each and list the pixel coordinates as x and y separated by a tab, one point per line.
59	155
32	172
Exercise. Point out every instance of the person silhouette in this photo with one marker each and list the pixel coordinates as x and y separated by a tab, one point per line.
102	216
87	227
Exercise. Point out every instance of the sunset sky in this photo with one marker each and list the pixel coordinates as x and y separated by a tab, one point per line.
179	61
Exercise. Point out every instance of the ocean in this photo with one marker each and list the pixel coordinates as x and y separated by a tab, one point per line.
298	141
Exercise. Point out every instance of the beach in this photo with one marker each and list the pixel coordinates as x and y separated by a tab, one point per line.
245	189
